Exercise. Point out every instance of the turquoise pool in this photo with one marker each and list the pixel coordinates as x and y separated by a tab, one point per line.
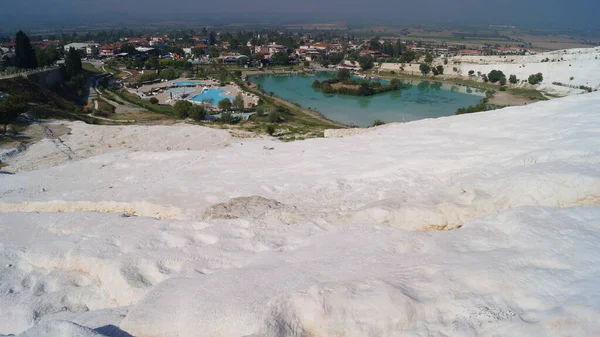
185	83
417	99
211	95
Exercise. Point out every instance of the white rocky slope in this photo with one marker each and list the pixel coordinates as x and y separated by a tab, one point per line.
324	237
571	67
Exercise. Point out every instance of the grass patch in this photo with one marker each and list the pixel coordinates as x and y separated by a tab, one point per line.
531	94
90	68
133	99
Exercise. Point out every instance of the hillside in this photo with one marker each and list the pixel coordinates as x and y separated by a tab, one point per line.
474	225
35	93
573	67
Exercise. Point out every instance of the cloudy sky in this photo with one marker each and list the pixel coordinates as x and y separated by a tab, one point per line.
520	12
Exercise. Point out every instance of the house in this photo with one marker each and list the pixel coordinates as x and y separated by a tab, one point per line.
109	50
91	50
276	48
79	46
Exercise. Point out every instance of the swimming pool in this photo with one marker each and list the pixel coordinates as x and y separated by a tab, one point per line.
184	83
211	95
181	90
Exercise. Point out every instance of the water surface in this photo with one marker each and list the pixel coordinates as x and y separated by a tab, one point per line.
417	100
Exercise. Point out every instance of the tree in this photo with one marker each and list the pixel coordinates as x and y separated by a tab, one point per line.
408	56
495	76
10	109
280	58
153	100
513	79
440	70
343	74
485	78
502	81
197	112
428	58
274	116
224	104
535	78
73	64
471	72
238	102
213	52
151	63
365	62
424	68
183	108
24	54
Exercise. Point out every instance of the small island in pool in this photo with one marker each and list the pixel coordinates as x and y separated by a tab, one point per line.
345	84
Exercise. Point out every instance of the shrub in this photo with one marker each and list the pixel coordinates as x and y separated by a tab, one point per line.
182	108
502	88
513	79
424	68
485	78
495	76
270	129
502	81
378	122
224	104
274	116
440	70
197	112
535	78
153	100
471	72
260	111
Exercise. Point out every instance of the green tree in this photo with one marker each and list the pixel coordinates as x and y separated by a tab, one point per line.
153	100
10	109
513	79
183	108
495	76
343	74
274	116
440	70
424	68
535	78
280	58
428	58
502	81
197	112
213	52
151	63
238	102
73	64
365	62
224	104
408	56
24	54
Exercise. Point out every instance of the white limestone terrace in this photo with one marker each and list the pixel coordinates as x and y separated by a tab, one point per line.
573	67
324	237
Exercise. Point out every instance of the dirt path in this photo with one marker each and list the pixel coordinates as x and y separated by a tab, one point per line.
503	98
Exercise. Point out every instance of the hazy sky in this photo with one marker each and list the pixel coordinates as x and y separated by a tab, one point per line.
556	12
